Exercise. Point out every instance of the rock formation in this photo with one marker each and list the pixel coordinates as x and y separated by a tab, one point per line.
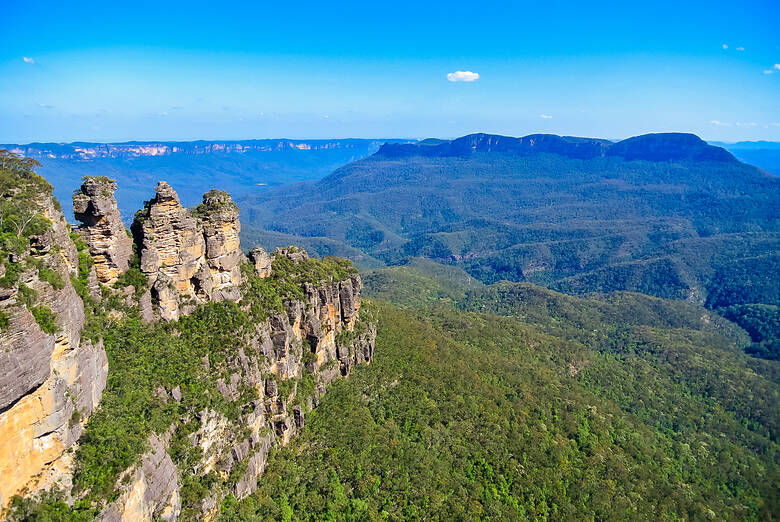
218	216
102	230
189	257
49	382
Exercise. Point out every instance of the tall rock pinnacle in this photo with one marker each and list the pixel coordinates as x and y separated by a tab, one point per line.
102	229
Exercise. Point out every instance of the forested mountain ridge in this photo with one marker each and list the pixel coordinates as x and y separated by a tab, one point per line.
664	214
649	147
514	402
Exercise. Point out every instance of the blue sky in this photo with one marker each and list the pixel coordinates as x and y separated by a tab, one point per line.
110	71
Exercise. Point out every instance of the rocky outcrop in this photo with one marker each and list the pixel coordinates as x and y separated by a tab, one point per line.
49	382
189	257
218	216
102	230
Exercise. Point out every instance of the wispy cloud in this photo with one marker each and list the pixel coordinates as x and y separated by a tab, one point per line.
768	71
746	124
720	123
775	67
45	106
740	48
462	76
27	59
545	116
725	46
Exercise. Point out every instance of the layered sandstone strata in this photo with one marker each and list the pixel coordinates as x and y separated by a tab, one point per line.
49	382
321	335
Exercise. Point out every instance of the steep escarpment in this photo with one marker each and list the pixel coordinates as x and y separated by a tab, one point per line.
50	378
201	360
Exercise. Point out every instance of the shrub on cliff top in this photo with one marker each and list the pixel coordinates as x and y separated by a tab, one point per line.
21	204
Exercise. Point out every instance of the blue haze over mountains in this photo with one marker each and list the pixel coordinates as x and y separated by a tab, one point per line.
192	168
238	166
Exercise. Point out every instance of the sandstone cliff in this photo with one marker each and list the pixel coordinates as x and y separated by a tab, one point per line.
288	360
50	378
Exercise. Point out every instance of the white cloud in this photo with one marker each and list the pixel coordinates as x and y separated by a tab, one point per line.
45	106
545	116
720	123
777	66
748	124
740	48
27	59
768	71
725	46
462	76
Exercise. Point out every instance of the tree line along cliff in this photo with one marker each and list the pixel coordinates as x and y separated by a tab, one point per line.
146	374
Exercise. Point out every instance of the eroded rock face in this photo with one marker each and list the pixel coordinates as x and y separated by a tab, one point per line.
321	335
110	246
49	383
189	259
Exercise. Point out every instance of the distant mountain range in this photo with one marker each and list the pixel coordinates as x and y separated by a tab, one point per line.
763	154
136	149
244	166
191	168
649	147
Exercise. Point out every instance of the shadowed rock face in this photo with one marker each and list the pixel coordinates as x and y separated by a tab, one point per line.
111	248
189	257
153	488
